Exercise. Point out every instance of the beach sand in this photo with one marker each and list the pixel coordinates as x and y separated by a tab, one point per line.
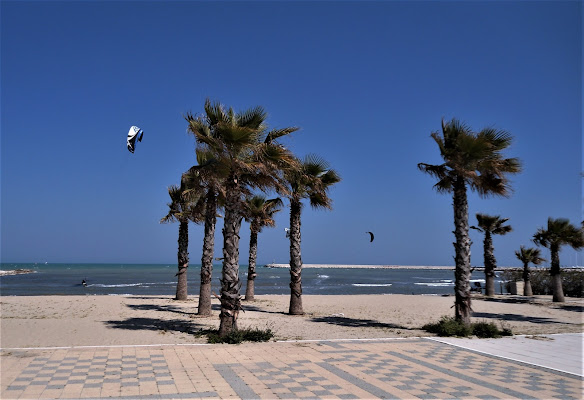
47	321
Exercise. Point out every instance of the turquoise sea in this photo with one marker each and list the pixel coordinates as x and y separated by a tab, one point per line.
159	279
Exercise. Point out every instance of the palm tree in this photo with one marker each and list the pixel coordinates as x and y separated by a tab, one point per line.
206	180
526	256
491	225
310	180
473	160
181	209
259	212
249	157
559	232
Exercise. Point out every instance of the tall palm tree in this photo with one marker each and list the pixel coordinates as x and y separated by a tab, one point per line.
250	157
526	256
311	179
490	225
559	232
259	212
181	210
206	180
470	160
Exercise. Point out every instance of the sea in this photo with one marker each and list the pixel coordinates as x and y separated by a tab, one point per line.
160	279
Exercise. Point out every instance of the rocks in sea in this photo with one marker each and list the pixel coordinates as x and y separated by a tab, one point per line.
19	271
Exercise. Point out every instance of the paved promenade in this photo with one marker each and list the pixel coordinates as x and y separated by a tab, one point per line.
422	368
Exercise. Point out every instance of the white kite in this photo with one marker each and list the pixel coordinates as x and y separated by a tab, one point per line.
134	133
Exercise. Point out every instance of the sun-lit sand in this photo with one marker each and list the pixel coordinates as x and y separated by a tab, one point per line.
45	321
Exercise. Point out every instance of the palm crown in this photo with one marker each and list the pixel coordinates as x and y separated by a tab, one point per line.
312	180
183	206
529	255
241	144
493	224
559	232
260	212
474	157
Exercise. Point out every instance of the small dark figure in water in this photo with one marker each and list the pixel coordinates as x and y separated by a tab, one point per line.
84	283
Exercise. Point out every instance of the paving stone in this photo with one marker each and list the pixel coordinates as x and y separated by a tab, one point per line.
384	369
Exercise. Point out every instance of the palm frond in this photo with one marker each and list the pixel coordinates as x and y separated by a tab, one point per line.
444	185
215	112
498	139
252	118
278	133
437	171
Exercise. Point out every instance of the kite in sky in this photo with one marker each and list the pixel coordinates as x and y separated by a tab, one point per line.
134	133
372	236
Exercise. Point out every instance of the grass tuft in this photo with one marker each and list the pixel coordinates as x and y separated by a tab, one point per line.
243	335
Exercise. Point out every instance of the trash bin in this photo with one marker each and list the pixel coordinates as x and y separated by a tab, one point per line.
517	288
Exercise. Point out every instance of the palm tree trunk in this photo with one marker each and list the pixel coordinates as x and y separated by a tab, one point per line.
230	284
527	280
295	259
556	273
183	260
207	254
462	253
251	270
490	265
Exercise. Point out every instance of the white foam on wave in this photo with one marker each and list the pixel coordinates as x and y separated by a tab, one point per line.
371	284
143	284
435	284
323	276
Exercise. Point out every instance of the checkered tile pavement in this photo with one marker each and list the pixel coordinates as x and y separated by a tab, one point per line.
392	369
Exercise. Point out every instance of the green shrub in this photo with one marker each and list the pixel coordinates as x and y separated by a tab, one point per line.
449	326
489	330
243	335
572	281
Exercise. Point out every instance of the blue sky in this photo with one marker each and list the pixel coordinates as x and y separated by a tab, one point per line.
367	82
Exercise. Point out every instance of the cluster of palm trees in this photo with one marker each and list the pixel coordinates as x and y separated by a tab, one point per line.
237	156
474	160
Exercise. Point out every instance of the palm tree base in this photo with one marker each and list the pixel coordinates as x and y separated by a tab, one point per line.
558	291
295	305
250	291
204	307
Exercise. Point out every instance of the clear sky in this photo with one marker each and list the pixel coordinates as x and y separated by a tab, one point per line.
367	83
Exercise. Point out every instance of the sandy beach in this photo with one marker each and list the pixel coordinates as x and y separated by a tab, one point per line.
47	321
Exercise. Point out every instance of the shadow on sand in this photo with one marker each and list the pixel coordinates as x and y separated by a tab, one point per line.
530	300
357	323
519	318
164	308
154	324
573	308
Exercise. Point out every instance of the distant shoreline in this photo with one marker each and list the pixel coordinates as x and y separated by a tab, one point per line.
367	266
424	267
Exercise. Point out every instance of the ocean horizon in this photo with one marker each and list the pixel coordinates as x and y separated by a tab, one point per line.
34	279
